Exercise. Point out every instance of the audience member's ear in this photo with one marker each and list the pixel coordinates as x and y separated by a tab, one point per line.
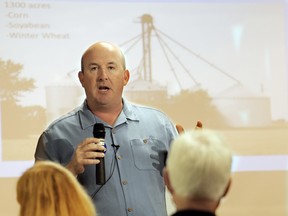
167	180
227	188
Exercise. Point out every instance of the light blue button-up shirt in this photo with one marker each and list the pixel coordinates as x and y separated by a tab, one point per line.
133	170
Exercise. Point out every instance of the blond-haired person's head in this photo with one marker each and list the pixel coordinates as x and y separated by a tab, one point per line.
198	170
47	188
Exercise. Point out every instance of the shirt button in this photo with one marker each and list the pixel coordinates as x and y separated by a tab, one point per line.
119	157
145	141
113	131
124	182
130	209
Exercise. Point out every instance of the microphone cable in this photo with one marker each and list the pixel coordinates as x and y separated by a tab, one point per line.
112	168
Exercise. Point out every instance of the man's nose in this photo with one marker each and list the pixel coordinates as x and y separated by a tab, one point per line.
102	74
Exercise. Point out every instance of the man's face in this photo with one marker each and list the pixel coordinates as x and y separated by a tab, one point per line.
103	76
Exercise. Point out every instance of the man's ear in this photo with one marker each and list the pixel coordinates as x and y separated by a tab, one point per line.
227	188
126	77
167	180
80	77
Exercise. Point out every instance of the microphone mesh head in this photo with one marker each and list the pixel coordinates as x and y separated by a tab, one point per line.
99	130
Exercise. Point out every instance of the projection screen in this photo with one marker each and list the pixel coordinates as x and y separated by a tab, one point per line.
221	62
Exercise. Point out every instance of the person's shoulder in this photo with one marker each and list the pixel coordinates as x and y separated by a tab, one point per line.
65	118
144	108
144	112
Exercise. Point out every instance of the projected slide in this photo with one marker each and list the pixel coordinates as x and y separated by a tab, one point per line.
223	62
219	62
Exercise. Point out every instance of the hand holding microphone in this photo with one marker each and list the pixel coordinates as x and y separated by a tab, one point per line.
86	153
90	151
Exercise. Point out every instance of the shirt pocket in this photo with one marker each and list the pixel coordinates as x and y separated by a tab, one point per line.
149	154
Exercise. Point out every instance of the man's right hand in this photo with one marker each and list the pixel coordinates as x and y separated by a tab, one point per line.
86	153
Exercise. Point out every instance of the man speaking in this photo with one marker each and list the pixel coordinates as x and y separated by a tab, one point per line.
137	139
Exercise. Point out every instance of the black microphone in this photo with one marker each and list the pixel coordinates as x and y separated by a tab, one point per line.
99	132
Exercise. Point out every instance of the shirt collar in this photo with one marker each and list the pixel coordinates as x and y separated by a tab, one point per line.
87	118
128	111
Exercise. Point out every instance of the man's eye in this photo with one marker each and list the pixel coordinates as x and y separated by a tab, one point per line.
93	68
111	68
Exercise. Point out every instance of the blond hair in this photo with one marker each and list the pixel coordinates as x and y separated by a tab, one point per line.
47	188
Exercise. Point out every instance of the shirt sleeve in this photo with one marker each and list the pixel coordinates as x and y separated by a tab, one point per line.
58	149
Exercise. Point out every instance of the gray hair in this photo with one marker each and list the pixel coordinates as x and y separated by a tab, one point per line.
199	165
